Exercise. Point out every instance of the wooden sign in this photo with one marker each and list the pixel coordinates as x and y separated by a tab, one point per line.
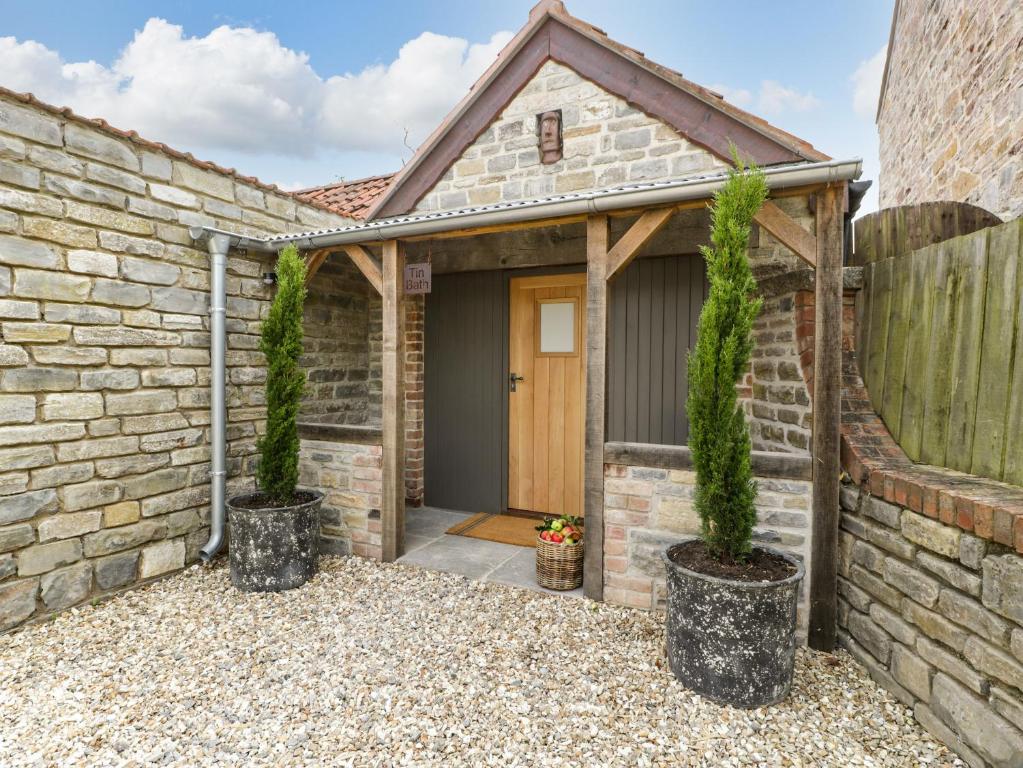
418	278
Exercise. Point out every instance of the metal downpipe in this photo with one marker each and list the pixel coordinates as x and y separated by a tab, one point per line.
218	245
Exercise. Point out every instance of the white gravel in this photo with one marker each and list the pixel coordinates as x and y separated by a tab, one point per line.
381	665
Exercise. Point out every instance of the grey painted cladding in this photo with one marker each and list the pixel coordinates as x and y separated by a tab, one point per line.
653	313
655	305
466	406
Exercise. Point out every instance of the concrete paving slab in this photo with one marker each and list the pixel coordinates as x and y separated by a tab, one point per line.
520	571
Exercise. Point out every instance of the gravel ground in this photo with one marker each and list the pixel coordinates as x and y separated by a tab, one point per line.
381	665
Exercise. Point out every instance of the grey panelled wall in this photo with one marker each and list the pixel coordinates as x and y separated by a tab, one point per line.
655	305
465	403
654	308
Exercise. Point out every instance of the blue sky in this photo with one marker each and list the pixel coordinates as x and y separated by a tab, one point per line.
309	92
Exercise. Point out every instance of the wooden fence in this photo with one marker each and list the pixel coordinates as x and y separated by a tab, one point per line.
940	347
905	228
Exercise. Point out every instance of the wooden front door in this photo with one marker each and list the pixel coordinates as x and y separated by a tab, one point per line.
547	395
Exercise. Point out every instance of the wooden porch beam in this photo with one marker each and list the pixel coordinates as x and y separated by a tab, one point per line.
598	237
392	512
788	232
639	234
313	262
827	394
367	265
490	229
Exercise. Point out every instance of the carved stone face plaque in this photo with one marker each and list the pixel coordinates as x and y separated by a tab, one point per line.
550	137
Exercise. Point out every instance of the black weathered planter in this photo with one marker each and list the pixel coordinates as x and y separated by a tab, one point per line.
732	641
273	549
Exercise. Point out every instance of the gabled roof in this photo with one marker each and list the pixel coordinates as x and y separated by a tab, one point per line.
699	114
348	198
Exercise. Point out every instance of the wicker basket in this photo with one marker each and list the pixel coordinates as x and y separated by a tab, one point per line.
559	566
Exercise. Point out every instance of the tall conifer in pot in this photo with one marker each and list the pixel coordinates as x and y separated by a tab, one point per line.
275	532
281	343
731	607
719	436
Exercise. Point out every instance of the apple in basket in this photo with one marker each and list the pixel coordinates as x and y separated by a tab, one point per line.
561	530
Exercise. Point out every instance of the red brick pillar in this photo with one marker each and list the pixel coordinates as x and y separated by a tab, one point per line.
415	366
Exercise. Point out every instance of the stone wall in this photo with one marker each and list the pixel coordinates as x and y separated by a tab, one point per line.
337	345
606	143
104	360
648	504
775	395
951	114
347	465
936	616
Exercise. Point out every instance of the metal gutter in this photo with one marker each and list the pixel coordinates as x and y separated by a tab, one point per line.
601	201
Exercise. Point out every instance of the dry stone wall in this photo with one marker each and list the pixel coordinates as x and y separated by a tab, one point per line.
951	116
104	360
936	616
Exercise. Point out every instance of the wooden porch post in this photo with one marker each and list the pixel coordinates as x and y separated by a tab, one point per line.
392	513
827	393
598	235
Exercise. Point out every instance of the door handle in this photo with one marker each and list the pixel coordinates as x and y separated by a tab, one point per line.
514	380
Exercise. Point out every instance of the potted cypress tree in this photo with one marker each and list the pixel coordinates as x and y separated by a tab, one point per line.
731	606
275	531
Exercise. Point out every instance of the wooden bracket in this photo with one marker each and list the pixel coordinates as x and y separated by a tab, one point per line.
367	265
788	232
313	263
639	234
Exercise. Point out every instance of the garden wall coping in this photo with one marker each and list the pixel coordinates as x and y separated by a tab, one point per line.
340	433
765	463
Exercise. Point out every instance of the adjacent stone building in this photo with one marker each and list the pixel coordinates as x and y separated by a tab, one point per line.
104	351
950	116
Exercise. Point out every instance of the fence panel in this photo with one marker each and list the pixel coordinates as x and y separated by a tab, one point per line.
941	350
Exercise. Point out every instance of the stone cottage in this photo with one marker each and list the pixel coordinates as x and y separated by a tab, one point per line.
554	219
559	210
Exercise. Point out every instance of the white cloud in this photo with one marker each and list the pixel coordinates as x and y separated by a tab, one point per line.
866	82
241	90
740	97
772	98
776	98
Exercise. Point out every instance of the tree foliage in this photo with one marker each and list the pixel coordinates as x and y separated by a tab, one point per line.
719	436
281	344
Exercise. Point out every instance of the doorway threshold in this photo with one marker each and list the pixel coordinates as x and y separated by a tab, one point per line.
428	546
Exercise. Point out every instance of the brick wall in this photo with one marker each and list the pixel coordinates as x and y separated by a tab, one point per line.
104	360
951	117
415	367
647	508
936	616
349	471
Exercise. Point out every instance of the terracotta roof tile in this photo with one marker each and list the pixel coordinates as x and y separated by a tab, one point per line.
348	198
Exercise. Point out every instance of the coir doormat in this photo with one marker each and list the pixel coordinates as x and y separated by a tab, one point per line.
512	528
